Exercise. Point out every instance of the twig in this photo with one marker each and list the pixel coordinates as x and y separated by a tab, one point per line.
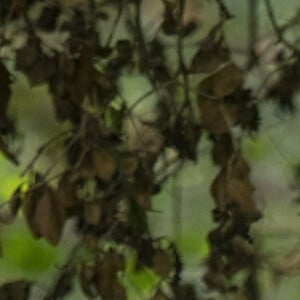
41	149
61	154
151	92
253	26
115	24
182	67
279	30
64	280
177	210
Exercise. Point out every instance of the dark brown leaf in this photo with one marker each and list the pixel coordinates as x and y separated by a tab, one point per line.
18	290
67	192
9	210
209	57
162	263
104	164
44	214
5	91
87	281
92	213
224	82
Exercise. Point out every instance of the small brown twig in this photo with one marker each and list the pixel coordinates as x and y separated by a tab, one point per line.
42	148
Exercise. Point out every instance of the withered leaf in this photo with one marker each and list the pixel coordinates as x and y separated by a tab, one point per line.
209	57
48	217
124	50
143	196
185	291
159	295
66	192
224	82
15	290
241	195
92	213
222	148
212	52
240	168
215	280
219	190
107	280
87	281
162	263
217	117
104	164
241	295
129	165
48	17
28	54
44	214
41	70
242	255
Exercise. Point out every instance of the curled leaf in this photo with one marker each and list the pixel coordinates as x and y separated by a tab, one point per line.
44	214
224	82
104	164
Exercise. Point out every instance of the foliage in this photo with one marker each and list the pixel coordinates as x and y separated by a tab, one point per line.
114	159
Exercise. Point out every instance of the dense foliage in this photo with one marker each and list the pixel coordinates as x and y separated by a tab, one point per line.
115	157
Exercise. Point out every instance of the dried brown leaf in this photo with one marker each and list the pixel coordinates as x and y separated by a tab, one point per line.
217	117
129	165
44	214
219	190
87	281
92	213
224	82
162	263
15	290
107	279
48	217
159	295
104	164
66	192
209	57
240	194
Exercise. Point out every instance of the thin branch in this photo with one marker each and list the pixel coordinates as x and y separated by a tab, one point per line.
42	148
62	153
279	30
182	67
115	24
151	92
177	210
253	25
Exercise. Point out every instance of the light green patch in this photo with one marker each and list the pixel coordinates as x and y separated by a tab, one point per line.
192	245
255	148
22	251
140	284
9	178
